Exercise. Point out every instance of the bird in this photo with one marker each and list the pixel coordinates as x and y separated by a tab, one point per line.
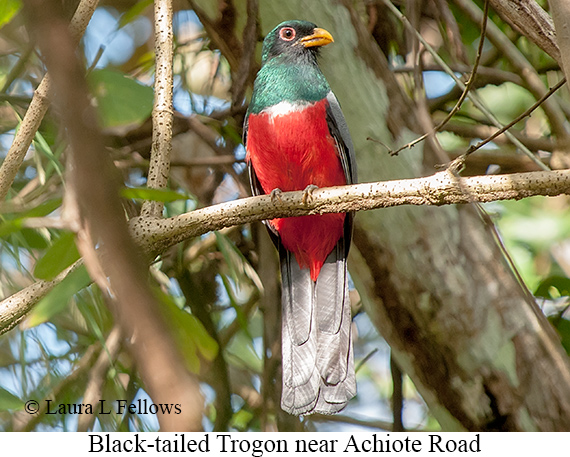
296	138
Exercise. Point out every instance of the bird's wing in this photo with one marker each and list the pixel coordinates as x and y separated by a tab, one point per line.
339	131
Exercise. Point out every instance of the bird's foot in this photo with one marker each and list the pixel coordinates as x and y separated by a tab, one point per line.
276	195
308	193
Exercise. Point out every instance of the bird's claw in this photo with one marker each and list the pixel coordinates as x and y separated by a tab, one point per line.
276	195
308	193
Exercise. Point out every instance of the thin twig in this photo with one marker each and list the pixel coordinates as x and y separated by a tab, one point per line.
365	359
515	121
516	58
455	43
16	70
344	419
488	75
479	131
422	110
97	377
78	371
472	96
466	89
38	107
228	333
218	375
397	394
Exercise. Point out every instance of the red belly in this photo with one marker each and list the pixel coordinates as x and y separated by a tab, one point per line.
290	152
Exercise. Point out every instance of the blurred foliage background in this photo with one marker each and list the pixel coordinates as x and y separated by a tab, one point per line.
210	286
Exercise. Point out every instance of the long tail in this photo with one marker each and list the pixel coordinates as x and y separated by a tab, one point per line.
318	364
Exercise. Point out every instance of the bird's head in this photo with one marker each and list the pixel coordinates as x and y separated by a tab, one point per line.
294	41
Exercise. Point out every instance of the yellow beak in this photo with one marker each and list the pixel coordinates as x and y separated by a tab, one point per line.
320	37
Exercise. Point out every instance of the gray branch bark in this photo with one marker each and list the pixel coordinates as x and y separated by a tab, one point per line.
156	235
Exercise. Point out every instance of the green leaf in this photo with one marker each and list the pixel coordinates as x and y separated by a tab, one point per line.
241	419
241	353
239	267
8	401
562	326
57	300
9	227
44	208
144	193
120	99
231	255
189	334
33	239
560	283
8	9
240	315
61	254
42	146
134	12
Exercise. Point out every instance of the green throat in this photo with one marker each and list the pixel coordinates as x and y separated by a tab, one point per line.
281	79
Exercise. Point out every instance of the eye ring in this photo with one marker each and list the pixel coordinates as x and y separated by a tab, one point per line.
287	33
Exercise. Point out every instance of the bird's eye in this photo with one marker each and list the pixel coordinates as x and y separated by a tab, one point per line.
287	33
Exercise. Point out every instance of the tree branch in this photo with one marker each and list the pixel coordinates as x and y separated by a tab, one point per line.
560	11
134	305
14	308
529	19
472	95
532	80
97	376
443	188
163	110
483	131
39	106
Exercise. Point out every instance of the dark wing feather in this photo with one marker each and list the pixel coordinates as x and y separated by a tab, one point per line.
339	131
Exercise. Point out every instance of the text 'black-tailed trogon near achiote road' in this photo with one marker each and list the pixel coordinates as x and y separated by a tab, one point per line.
296	138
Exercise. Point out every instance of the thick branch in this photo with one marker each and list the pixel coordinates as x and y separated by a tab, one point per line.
439	189
156	235
531	20
134	305
560	10
163	111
